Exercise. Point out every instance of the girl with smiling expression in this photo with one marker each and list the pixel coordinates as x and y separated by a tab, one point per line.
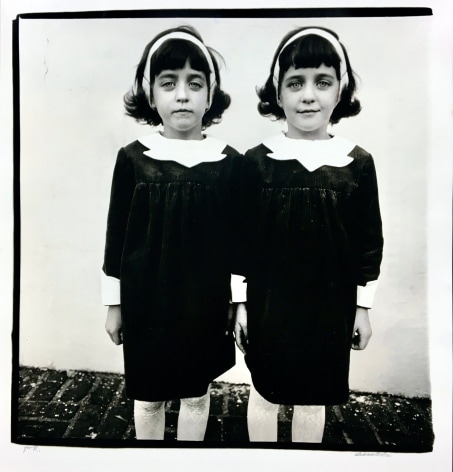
314	241
169	252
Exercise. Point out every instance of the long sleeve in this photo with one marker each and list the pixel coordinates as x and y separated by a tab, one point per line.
123	184
370	239
366	293
247	210
238	289
110	290
235	222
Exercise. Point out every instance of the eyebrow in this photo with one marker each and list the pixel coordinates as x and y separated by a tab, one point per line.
321	75
172	75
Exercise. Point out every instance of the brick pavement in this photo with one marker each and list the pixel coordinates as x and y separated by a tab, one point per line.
90	408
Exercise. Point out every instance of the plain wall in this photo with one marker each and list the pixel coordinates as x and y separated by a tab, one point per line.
73	75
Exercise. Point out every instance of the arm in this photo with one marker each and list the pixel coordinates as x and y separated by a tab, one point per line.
238	310
369	239
249	189
123	184
370	244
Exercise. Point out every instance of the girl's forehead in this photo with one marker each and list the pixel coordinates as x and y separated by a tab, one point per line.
187	69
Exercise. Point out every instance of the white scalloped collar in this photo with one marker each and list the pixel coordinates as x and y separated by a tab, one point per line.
189	153
311	154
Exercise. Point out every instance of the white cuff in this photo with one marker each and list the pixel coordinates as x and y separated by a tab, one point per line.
110	290
238	289
365	295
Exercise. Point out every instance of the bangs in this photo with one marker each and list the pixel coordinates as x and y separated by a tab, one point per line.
174	54
309	51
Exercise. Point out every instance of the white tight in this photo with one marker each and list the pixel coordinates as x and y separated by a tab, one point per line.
149	418
193	418
307	425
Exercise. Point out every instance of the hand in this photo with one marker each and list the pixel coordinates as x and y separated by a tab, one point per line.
362	329
240	327
113	324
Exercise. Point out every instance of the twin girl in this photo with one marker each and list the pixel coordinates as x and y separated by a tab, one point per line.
296	220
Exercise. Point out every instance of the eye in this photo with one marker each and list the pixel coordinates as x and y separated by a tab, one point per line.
323	84
294	85
167	84
195	85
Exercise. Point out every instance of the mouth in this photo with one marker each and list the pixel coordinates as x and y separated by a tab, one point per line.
307	112
182	111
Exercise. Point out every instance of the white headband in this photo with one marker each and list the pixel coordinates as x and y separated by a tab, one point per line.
344	79
185	37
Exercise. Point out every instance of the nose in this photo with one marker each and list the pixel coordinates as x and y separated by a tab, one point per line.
181	93
308	93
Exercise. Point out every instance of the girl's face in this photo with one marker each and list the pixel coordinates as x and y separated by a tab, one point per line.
181	99
308	97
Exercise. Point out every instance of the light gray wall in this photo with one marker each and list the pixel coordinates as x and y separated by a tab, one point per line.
73	76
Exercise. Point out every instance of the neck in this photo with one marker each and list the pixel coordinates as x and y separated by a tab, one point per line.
309	135
190	135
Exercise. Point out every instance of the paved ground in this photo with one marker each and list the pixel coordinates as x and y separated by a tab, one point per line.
90	408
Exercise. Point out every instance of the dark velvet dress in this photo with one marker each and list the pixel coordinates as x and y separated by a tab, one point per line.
312	238
168	241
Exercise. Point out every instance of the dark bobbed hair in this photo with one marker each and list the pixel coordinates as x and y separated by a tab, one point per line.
173	54
308	51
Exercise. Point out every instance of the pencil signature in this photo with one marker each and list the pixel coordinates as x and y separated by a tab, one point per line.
30	449
380	454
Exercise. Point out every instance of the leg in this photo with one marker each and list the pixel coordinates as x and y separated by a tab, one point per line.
149	418
308	423
193	418
261	418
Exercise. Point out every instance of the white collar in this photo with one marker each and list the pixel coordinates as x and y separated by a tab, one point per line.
189	153
311	154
